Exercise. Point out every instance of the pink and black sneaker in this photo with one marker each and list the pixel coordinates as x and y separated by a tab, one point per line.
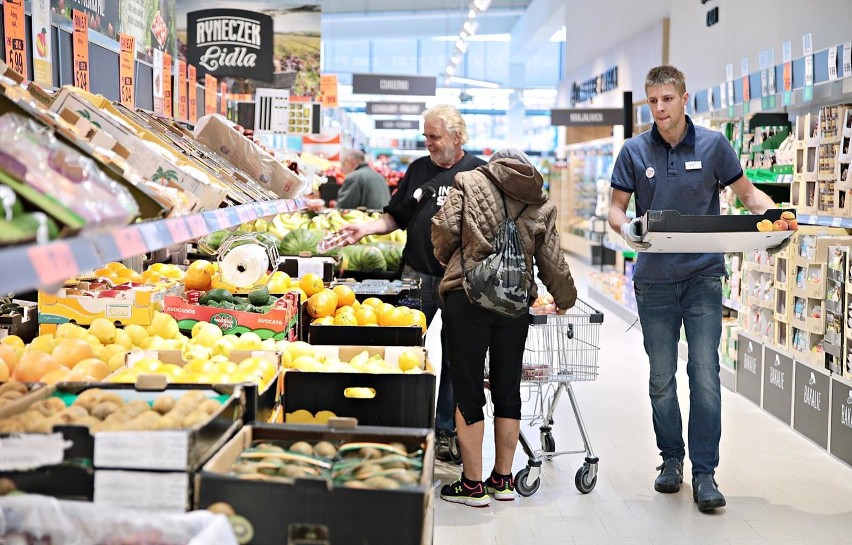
502	487
470	493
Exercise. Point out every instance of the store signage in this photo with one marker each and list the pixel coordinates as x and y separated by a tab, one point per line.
589	89
193	93
231	42
749	368
841	420
15	34
810	403
42	37
372	84
395	108
778	385
168	86
81	50
126	65
587	117
328	90
102	15
397	124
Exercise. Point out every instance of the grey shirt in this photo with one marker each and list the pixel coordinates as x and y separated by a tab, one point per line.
363	187
686	178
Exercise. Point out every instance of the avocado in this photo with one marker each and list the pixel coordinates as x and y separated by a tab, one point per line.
218	294
259	296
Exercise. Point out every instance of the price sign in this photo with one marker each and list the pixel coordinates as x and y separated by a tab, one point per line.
222	217
832	63
764	83
197	225
328	90
130	242
746	92
178	229
223	99
181	93
807	44
167	86
787	51
244	213
809	71
788	76
211	84
126	72
81	49
152	236
53	262
193	94
847	60
15	33
41	43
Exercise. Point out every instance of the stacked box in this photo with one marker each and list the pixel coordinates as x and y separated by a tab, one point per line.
784	269
804	191
757	313
835	308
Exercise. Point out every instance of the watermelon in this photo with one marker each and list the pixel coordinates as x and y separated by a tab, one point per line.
300	240
366	258
393	256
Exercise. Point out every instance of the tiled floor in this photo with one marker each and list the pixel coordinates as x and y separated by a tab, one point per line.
780	487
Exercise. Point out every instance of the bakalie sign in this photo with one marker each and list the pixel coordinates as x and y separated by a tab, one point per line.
230	42
592	87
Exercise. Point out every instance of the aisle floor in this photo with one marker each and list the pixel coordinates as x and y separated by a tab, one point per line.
780	487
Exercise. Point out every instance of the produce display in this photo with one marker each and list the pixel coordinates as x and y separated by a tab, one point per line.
338	306
786	223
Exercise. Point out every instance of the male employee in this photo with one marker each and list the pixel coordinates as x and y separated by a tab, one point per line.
363	186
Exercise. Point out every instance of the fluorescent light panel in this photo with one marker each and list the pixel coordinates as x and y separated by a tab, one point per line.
474	82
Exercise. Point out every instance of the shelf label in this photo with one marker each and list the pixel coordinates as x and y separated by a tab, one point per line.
157	491
53	262
130	242
32	450
808	91
222	218
244	213
152	236
160	449
744	67
126	65
807	44
847	60
81	49
15	33
729	72
832	63
771	83
197	225
168	87
178	229
787	51
193	93
210	86
764	83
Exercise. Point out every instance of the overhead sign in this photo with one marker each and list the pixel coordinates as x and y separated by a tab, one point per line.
587	117
397	124
372	84
231	42
396	108
592	87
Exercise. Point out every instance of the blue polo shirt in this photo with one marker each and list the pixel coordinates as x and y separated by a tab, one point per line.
687	178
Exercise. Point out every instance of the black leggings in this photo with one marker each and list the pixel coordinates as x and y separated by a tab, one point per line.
471	332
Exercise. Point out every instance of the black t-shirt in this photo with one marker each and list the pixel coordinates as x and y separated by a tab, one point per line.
416	216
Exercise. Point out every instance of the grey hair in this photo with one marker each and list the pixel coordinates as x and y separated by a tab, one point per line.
511	153
354	154
452	120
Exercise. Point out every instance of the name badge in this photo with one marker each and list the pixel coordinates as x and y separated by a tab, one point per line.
693	165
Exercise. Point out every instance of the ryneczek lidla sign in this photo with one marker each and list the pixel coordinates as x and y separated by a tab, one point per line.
231	42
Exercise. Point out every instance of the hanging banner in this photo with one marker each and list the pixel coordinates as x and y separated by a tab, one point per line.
231	42
192	89
223	100
15	33
126	69
151	22
42	63
181	93
158	82
167	85
328	91
101	15
326	145
210	88
81	50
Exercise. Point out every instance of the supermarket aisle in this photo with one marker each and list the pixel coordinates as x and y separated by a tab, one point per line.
780	487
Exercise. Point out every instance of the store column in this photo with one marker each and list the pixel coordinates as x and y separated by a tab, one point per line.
515	112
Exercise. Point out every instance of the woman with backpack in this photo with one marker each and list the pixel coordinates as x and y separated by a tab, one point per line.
481	207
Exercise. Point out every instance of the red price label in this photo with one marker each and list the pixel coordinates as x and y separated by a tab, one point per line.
53	262
222	216
14	27
178	229
130	242
197	225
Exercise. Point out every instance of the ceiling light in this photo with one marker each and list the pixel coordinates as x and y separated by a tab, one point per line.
475	82
559	35
482	4
450	70
461	45
470	27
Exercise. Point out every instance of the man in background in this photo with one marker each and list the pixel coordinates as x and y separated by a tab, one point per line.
363	186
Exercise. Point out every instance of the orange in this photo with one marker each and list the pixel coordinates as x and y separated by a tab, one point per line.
325	320
382	308
203	265
322	303
9	356
150	277
311	284
345	295
397	316
366	315
106	273
33	366
4	371
345	319
115	266
419	319
58	375
345	310
372	302
92	367
198	278
69	352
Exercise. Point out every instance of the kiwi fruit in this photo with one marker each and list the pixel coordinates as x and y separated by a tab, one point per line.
103	409
164	404
324	449
302	447
13	387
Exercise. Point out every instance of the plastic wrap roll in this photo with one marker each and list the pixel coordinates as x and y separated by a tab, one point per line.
244	265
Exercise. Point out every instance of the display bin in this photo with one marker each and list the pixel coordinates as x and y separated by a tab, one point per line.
812	319
280	512
279	323
358	335
396	292
401	399
809	279
135	306
66	480
23	324
297	266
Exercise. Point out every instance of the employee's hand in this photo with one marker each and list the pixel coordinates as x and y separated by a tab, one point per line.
775	249
353	233
630	234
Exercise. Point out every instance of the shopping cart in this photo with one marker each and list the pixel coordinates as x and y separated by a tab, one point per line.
560	349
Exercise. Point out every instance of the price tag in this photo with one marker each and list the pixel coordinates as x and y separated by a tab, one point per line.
157	491
181	93
53	262
245	213
197	225
787	51
729	72
152	236
807	44
179	230
788	76
809	71
163	449
746	91
744	67
14	26
328	90
847	60
211	85
168	98
130	242
832	63
41	43
770	83
193	94
223	98
764	83
126	73
81	49
32	450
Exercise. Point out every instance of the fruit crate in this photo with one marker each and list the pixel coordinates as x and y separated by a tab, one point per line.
396	292
279	323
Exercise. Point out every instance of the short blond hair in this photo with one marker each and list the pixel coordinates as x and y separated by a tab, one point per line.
666	75
452	120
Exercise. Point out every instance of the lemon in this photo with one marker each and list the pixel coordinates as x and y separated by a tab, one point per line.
206	334
69	331
248	341
122	338
408	360
104	330
137	334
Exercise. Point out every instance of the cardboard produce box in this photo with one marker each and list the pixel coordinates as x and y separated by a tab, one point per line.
403	400
281	512
354	335
298	267
23	324
131	306
279	323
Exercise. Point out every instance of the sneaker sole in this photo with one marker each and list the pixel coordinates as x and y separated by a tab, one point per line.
667	488
472	502
506	495
710	505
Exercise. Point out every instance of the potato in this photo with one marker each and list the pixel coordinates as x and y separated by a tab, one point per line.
103	409
210	406
137	407
195	418
11	395
381	483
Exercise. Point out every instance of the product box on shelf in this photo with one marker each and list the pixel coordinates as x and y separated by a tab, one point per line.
298	267
396	292
127	306
292	509
21	320
390	399
279	323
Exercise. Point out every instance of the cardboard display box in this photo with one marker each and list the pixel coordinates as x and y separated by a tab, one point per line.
342	515
133	306
354	335
23	324
298	267
279	323
404	400
670	232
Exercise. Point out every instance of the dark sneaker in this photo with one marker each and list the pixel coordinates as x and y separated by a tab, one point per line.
460	491
706	493
502	488
670	477
442	446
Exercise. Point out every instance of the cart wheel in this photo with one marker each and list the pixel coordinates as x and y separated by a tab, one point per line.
548	445
523	486
455	450
582	481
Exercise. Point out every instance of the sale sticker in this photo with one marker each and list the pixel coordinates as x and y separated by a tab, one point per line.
167	86
126	69
181	94
15	33
53	262
193	93
81	49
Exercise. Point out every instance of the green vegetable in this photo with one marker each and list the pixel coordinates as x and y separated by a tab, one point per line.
259	296
219	295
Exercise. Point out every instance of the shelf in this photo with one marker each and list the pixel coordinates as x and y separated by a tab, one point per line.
32	266
733	305
828	221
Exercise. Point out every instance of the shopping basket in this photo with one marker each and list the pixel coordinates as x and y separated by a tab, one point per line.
560	349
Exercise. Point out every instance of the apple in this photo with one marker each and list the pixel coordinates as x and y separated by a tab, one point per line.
787	215
764	226
793	225
779	225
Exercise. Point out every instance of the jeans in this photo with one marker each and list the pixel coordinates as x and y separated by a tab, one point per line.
697	303
430	303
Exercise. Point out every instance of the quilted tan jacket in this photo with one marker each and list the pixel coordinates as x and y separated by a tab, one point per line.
478	191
